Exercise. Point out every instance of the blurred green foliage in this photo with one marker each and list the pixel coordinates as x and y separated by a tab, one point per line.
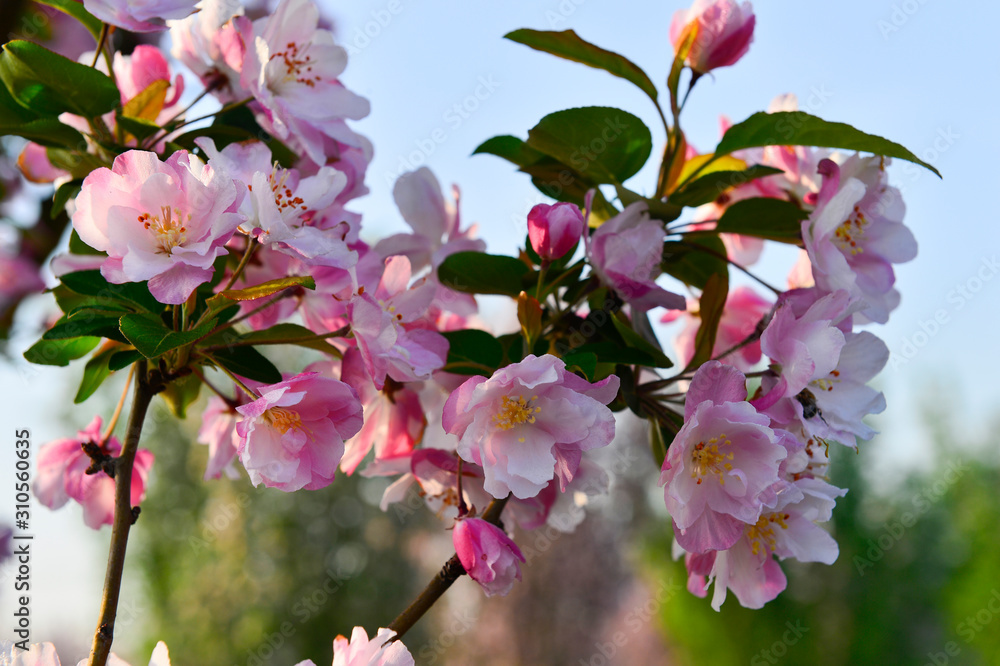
917	580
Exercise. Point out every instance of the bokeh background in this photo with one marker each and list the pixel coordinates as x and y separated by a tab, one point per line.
229	574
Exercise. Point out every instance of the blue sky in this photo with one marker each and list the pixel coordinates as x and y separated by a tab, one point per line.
920	73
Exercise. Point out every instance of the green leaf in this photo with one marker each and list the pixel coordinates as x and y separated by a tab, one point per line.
710	308
95	372
636	341
511	149
479	273
247	362
78	163
694	260
709	187
607	351
473	352
773	219
151	336
47	132
289	334
50	84
268	288
60	352
606	145
123	359
87	323
180	393
243	118
77	11
63	194
138	127
585	362
567	44
797	128
657	442
76	244
92	283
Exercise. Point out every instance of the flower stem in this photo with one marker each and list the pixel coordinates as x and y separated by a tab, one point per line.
125	515
449	573
118	410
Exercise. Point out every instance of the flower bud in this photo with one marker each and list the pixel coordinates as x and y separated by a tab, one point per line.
555	229
488	555
722	29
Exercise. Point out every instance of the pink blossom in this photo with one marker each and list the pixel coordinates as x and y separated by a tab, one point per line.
293	435
436	223
218	432
721	466
744	309
488	555
723	30
145	66
291	69
166	222
788	529
394	419
435	471
269	264
626	252
530	423
209	44
35	165
856	234
554	229
385	324
37	654
62	475
380	650
19	276
140	15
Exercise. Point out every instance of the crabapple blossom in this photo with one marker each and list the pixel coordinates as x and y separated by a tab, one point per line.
489	556
529	423
723	30
44	654
293	435
625	253
380	650
723	463
140	15
62	475
218	432
209	44
385	324
165	222
291	69
856	234
394	418
554	229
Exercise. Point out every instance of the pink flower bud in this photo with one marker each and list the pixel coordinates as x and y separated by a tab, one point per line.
488	555
722	29
554	229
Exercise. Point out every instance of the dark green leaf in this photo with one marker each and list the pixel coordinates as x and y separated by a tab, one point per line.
657	442
86	323
606	145
473	352
138	127
636	341
76	244
479	273
123	359
47	132
151	336
77	11
289	334
50	84
709	187
614	352
567	44
511	149
95	372
710	309
60	352
249	363
773	219
797	128
694	260
585	362
92	283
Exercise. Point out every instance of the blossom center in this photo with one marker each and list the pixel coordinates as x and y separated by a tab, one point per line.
707	459
827	383
515	411
851	231
284	198
298	64
762	533
283	419
169	227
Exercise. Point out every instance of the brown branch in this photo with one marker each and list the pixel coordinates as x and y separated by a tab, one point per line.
125	516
